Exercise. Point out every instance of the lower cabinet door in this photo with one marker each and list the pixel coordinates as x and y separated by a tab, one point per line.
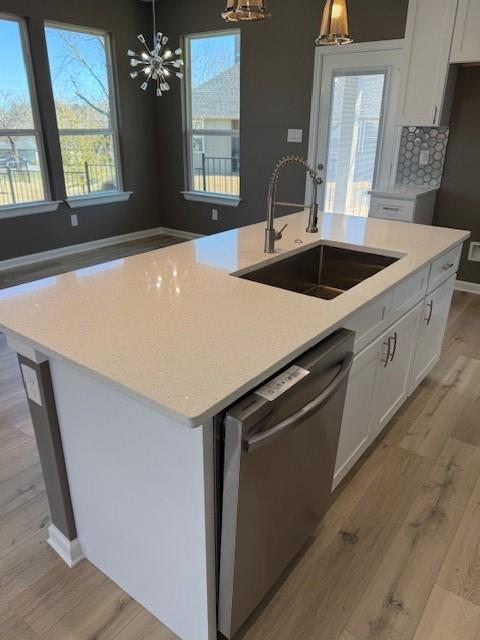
432	331
356	415
395	366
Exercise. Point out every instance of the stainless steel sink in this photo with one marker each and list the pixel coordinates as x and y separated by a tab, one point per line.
322	272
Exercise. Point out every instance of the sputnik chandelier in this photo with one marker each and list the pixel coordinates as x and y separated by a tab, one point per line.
158	64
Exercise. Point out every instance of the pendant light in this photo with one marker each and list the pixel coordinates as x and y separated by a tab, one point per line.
158	64
334	28
245	11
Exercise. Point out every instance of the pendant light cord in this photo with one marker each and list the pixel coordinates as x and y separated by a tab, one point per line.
154	24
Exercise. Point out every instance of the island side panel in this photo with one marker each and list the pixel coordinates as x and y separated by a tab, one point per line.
142	489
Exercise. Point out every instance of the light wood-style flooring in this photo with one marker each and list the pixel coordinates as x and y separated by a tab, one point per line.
396	558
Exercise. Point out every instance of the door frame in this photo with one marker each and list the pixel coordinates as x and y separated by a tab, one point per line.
388	168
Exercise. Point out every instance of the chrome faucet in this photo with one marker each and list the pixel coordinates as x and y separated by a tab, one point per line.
270	233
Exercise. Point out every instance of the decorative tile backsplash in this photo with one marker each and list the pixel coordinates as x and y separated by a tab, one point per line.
414	140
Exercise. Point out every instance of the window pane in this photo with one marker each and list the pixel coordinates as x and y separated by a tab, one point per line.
15	103
20	173
216	164
88	162
215	81
79	70
356	113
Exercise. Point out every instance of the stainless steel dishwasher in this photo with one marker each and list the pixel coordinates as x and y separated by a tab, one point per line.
280	446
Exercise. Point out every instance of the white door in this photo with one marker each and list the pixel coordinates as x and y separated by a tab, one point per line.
432	332
395	358
355	128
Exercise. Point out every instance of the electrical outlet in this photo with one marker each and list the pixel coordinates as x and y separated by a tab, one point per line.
31	384
295	135
474	252
424	157
74	219
214	214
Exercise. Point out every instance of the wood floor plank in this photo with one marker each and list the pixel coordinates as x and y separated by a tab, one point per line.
392	604
24	565
12	627
319	596
145	627
23	523
435	424
55	594
347	636
102	614
20	489
448	617
460	573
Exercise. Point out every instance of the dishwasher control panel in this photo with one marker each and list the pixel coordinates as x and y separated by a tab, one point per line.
286	380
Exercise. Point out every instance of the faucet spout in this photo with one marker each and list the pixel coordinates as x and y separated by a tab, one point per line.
270	233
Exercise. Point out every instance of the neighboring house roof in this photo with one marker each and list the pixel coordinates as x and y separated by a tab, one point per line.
219	97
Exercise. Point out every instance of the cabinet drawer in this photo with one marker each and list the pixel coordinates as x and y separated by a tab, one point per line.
369	322
408	293
392	209
444	267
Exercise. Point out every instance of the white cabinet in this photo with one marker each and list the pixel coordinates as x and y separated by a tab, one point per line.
395	363
354	435
424	91
466	37
432	332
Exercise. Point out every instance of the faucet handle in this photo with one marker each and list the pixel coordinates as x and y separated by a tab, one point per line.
279	234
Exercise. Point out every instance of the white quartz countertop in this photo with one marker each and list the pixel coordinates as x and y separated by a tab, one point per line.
404	191
173	329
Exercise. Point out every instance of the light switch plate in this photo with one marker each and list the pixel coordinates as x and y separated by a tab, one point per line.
31	384
295	135
74	219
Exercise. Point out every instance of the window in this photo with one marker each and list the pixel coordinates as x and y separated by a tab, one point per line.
213	107
357	102
22	176
80	68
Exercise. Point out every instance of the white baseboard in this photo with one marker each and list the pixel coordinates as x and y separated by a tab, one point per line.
33	258
469	287
69	551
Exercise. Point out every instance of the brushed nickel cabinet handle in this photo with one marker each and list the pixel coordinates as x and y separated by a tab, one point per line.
394	350
430	312
448	265
387	344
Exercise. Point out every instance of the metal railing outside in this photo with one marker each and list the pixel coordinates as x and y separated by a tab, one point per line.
217	174
26	185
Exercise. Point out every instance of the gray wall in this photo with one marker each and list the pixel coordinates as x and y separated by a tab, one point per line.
124	19
276	80
458	204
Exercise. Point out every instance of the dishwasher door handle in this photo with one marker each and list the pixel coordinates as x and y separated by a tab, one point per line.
288	424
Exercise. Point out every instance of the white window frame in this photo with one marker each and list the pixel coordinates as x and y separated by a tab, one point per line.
389	139
47	204
190	193
116	195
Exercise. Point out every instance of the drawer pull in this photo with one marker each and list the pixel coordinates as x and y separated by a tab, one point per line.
448	265
391	208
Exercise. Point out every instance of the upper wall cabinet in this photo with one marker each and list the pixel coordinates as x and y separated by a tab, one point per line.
466	38
425	69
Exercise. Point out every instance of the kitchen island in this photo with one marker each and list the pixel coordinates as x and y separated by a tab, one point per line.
126	365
